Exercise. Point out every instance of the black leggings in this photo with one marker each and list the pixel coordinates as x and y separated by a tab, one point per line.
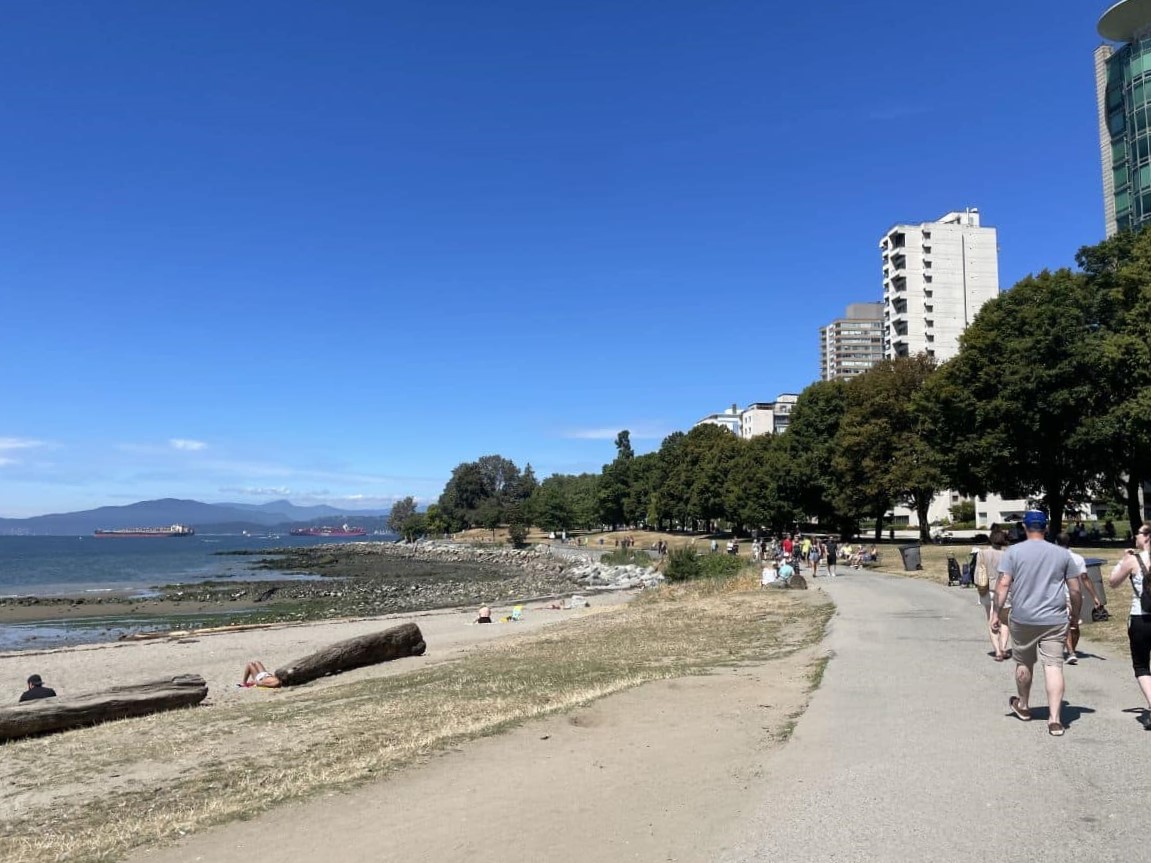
1139	635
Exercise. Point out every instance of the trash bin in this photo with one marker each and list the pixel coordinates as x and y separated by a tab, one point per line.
910	555
1095	573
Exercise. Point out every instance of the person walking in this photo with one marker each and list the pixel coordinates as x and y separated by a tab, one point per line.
986	575
1034	573
832	552
1064	541
1134	568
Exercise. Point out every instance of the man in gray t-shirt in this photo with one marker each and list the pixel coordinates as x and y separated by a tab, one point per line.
1034	573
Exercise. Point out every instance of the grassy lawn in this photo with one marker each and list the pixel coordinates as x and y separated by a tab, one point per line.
97	793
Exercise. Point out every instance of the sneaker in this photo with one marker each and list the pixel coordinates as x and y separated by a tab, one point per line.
1145	721
1072	659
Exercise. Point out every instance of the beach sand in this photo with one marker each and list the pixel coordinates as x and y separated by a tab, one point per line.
220	657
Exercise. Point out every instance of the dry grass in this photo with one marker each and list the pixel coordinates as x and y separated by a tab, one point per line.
184	771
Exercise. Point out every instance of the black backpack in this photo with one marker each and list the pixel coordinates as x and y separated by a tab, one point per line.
1145	595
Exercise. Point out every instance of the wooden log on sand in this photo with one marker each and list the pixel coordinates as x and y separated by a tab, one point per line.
119	702
394	643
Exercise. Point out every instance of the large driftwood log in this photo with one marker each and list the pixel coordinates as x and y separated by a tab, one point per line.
119	702
394	643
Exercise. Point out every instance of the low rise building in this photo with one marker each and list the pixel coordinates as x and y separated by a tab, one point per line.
756	419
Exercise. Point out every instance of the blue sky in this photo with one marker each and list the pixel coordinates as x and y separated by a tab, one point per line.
327	251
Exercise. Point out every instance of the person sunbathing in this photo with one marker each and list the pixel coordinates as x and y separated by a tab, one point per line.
255	674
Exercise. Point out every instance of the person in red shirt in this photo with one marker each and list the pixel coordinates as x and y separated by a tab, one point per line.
788	545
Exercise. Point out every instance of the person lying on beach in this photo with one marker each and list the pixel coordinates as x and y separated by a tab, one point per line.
485	615
36	689
255	674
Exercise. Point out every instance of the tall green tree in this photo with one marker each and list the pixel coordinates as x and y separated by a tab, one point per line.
809	478
1012	410
668	499
884	454
753	497
501	477
1120	271
402	510
615	483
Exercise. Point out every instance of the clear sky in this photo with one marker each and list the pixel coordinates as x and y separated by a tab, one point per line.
328	250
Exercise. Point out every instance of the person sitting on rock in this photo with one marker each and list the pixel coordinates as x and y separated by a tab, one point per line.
255	674
485	615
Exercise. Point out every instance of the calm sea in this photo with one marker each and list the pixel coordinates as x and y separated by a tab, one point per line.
77	565
53	565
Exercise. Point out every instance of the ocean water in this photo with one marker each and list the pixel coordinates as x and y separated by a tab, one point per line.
85	565
67	565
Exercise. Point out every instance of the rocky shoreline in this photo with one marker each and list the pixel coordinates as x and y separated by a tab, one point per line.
358	579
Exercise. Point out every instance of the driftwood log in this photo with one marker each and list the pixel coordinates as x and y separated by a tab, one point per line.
119	702
394	643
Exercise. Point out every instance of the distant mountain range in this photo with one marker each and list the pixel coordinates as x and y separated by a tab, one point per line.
204	517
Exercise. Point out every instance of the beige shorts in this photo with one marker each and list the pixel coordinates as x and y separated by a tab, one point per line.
1028	639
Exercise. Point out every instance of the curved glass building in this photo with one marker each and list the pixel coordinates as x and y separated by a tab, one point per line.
1123	91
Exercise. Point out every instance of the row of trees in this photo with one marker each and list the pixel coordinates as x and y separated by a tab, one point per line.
1048	399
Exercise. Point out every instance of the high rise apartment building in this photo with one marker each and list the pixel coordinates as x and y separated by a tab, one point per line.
1123	98
936	276
852	344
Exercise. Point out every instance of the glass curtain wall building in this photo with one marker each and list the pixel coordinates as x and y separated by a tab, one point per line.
1123	92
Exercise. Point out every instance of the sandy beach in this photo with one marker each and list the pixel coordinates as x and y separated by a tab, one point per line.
220	657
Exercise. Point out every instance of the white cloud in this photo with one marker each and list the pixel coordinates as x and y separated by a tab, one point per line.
4	461
7	443
187	445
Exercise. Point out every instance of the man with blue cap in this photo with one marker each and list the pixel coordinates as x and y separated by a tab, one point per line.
1035	573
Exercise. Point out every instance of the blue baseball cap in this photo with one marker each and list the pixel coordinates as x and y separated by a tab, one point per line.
1035	519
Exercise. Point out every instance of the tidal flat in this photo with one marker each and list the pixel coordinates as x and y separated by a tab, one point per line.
326	582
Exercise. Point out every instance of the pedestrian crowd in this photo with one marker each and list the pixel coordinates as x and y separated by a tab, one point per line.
1032	595
797	551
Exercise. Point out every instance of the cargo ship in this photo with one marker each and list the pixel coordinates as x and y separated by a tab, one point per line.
171	530
328	531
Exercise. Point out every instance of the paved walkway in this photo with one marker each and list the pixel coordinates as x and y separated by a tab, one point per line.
908	751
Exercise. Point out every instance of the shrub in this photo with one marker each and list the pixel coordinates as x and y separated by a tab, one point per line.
963	511
518	535
683	564
720	565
